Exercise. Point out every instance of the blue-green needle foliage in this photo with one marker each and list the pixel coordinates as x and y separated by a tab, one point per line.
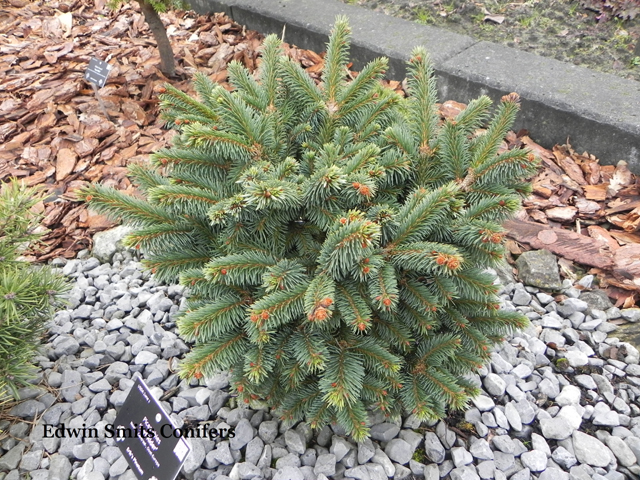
333	237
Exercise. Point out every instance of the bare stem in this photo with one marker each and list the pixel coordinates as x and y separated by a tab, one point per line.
167	61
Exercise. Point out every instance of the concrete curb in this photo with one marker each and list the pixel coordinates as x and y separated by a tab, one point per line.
598	112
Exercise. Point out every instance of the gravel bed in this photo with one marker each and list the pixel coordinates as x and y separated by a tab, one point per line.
560	400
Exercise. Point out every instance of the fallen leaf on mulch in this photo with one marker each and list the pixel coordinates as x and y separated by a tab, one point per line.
494	18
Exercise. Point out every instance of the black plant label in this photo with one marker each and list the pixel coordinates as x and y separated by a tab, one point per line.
148	438
97	72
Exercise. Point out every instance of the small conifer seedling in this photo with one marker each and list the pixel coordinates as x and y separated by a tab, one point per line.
29	294
334	238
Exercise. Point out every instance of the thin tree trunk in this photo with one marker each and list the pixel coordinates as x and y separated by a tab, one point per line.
167	62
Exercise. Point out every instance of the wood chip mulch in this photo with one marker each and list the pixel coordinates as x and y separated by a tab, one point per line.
588	215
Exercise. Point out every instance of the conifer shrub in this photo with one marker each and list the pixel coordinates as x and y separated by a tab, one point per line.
28	294
334	238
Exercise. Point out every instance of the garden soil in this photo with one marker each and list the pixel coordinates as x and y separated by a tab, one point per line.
560	29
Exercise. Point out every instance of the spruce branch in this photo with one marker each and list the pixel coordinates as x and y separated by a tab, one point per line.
208	358
424	212
310	350
474	116
358	93
422	99
146	176
239	269
301	85
121	206
169	265
269	69
249	89
486	145
335	65
354	310
176	104
341	381
212	320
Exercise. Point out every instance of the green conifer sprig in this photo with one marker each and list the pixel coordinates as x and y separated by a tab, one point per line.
29	294
333	237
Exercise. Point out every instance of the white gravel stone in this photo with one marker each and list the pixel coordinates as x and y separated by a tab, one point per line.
382	459
535	460
243	434
576	358
483	403
521	297
384	432
366	450
11	459
571	305
607	418
526	410
504	443
295	442
549	388
325	464
631	314
145	358
621	451
522	371
481	450
590	450
412	438
434	450
461	456
515	393
399	451
570	395
573	415
564	458
513	416
539	443
586	381
556	428
486	470
431	472
339	447
494	384
524	474
553	473
59	468
464	473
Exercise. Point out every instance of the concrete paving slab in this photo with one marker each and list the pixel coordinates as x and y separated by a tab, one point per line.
599	112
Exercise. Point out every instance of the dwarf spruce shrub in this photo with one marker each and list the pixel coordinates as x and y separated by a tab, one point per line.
28	293
334	237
